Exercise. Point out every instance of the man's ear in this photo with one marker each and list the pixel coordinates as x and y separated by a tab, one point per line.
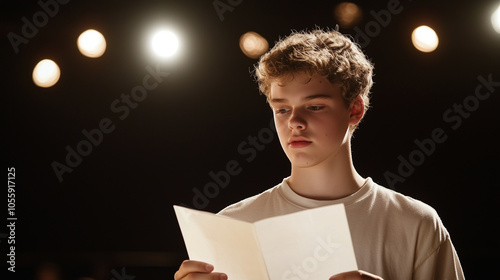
357	110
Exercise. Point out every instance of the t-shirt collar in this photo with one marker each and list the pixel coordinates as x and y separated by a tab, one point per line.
306	203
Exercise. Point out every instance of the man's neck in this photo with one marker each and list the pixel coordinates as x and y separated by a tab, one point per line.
330	180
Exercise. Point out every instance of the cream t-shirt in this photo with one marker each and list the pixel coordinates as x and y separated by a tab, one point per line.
394	236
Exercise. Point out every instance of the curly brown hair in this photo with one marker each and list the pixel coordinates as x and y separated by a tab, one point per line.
327	53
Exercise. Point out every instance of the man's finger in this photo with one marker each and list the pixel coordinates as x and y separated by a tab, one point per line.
205	276
189	266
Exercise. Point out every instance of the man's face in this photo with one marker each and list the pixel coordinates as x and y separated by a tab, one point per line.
312	119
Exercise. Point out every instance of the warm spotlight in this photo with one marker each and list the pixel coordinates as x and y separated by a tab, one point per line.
424	39
495	19
46	73
91	43
165	43
253	45
347	14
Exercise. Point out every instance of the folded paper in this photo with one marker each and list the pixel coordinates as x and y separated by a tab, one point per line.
309	244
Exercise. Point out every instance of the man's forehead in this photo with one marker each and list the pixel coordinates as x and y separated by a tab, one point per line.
300	82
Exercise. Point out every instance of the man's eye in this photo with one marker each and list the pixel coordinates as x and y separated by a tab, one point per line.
316	108
281	111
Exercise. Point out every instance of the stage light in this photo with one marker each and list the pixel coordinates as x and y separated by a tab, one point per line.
424	39
347	14
46	73
253	45
164	43
495	19
91	43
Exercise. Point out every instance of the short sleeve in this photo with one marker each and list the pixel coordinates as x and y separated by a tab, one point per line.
441	264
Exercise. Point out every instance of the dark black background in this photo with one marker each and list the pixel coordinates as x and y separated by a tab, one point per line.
118	201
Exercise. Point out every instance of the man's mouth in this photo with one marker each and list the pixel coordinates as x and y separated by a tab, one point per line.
298	142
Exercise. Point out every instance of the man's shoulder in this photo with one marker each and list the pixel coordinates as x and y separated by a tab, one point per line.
409	210
249	208
405	203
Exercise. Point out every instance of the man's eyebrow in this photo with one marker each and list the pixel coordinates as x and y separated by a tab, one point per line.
277	100
310	97
318	96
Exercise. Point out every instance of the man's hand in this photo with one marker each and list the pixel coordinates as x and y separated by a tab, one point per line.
191	270
355	275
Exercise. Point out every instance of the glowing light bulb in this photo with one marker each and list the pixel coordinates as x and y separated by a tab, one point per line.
347	14
425	39
91	43
253	45
165	43
495	20
46	73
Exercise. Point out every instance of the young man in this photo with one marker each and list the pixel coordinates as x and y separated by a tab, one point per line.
317	85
